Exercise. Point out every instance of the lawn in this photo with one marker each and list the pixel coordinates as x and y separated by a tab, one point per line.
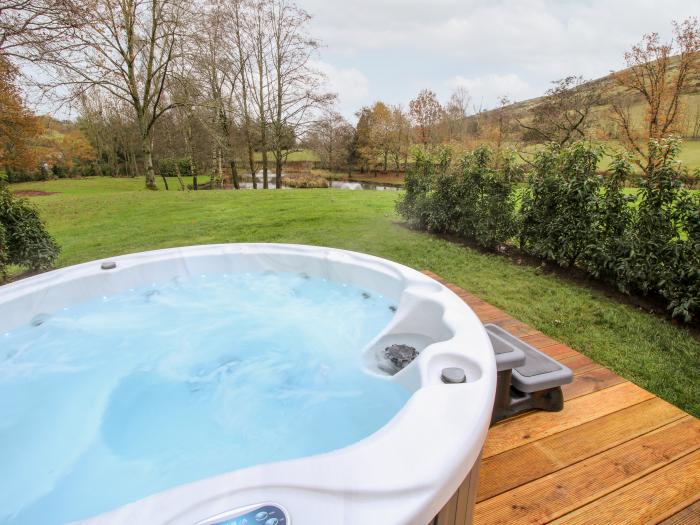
97	218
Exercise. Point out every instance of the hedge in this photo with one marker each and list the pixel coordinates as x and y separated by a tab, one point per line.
570	214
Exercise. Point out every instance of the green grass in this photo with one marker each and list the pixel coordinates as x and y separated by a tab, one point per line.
301	155
98	218
689	154
101	185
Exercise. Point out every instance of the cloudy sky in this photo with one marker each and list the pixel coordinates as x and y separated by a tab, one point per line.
390	49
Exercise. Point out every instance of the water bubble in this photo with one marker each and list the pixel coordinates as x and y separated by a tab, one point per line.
262	515
272	521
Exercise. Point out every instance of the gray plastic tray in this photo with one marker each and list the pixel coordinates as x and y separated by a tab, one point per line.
538	372
507	355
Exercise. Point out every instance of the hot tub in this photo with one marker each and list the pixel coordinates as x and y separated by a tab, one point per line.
388	447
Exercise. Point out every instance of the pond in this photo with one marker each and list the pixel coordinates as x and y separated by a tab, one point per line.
247	184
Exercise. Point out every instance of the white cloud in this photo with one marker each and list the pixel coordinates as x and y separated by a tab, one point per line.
486	90
517	46
351	85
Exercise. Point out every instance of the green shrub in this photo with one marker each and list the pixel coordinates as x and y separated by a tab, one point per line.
15	175
4	250
662	252
24	240
560	205
415	203
615	215
570	215
470	199
167	167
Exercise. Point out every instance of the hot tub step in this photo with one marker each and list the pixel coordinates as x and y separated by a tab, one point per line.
527	378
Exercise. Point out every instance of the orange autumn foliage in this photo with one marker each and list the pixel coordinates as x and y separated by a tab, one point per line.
18	125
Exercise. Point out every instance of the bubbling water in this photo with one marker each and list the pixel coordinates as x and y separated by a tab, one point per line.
112	400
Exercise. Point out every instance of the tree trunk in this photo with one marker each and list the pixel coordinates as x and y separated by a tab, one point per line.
193	168
278	170
234	175
165	182
179	176
148	162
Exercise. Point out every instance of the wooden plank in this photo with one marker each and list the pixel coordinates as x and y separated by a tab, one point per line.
521	465
591	381
555	495
579	363
690	515
646	499
517	328
516	432
558	351
539	340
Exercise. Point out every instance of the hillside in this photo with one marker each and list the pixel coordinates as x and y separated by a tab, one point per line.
607	89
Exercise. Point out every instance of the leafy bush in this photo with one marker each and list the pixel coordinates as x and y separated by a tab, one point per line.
470	199
615	215
560	206
4	250
661	251
646	244
167	167
415	203
24	240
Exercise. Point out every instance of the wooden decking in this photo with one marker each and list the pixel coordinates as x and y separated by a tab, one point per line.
616	454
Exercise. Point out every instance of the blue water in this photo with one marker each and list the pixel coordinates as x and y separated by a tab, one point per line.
120	397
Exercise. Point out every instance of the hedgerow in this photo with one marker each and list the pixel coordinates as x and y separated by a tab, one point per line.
571	215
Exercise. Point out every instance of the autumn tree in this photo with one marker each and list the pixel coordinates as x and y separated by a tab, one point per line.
564	114
659	78
400	137
18	125
426	112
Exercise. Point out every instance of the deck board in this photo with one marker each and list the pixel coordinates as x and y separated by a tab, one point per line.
615	454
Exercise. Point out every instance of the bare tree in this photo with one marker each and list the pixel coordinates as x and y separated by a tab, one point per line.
241	56
659	78
218	65
456	113
29	28
125	47
259	76
330	137
564	114
296	85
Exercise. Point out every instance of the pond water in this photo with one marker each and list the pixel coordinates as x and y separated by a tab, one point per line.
336	184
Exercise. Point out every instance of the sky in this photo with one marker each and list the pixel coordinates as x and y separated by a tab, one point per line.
391	49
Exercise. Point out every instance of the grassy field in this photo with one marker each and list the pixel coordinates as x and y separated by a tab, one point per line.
98	218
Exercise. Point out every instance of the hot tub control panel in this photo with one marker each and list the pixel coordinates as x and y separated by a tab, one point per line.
258	514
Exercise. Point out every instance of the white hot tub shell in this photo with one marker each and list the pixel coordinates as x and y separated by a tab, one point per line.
402	474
